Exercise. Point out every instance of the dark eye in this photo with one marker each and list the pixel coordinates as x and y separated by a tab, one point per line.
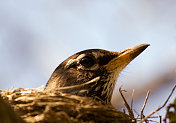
87	61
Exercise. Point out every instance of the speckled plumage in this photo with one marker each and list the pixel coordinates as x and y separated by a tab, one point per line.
96	81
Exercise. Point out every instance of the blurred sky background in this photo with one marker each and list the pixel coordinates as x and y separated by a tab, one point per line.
37	35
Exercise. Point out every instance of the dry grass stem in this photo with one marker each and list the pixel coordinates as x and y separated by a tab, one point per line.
145	118
143	107
132	99
126	104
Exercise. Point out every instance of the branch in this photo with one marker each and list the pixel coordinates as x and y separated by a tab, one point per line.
145	102
160	106
126	104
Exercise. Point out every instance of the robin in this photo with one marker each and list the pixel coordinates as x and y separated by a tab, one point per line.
92	73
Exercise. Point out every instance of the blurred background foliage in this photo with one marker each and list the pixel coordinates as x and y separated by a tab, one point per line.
36	36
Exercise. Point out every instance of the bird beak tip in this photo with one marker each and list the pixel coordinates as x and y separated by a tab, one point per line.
134	51
126	56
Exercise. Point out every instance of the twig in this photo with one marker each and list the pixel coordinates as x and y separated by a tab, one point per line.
132	99
152	121
126	104
160	118
145	102
123	110
160	106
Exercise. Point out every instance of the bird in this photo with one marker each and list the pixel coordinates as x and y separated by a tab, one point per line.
92	72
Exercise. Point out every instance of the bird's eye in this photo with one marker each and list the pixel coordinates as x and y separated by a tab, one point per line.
87	61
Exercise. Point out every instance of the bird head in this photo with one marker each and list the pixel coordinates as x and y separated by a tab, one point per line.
92	73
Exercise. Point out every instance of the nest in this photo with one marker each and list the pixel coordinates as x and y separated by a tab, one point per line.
36	105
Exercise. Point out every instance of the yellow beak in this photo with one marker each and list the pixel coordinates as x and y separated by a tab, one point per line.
125	57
